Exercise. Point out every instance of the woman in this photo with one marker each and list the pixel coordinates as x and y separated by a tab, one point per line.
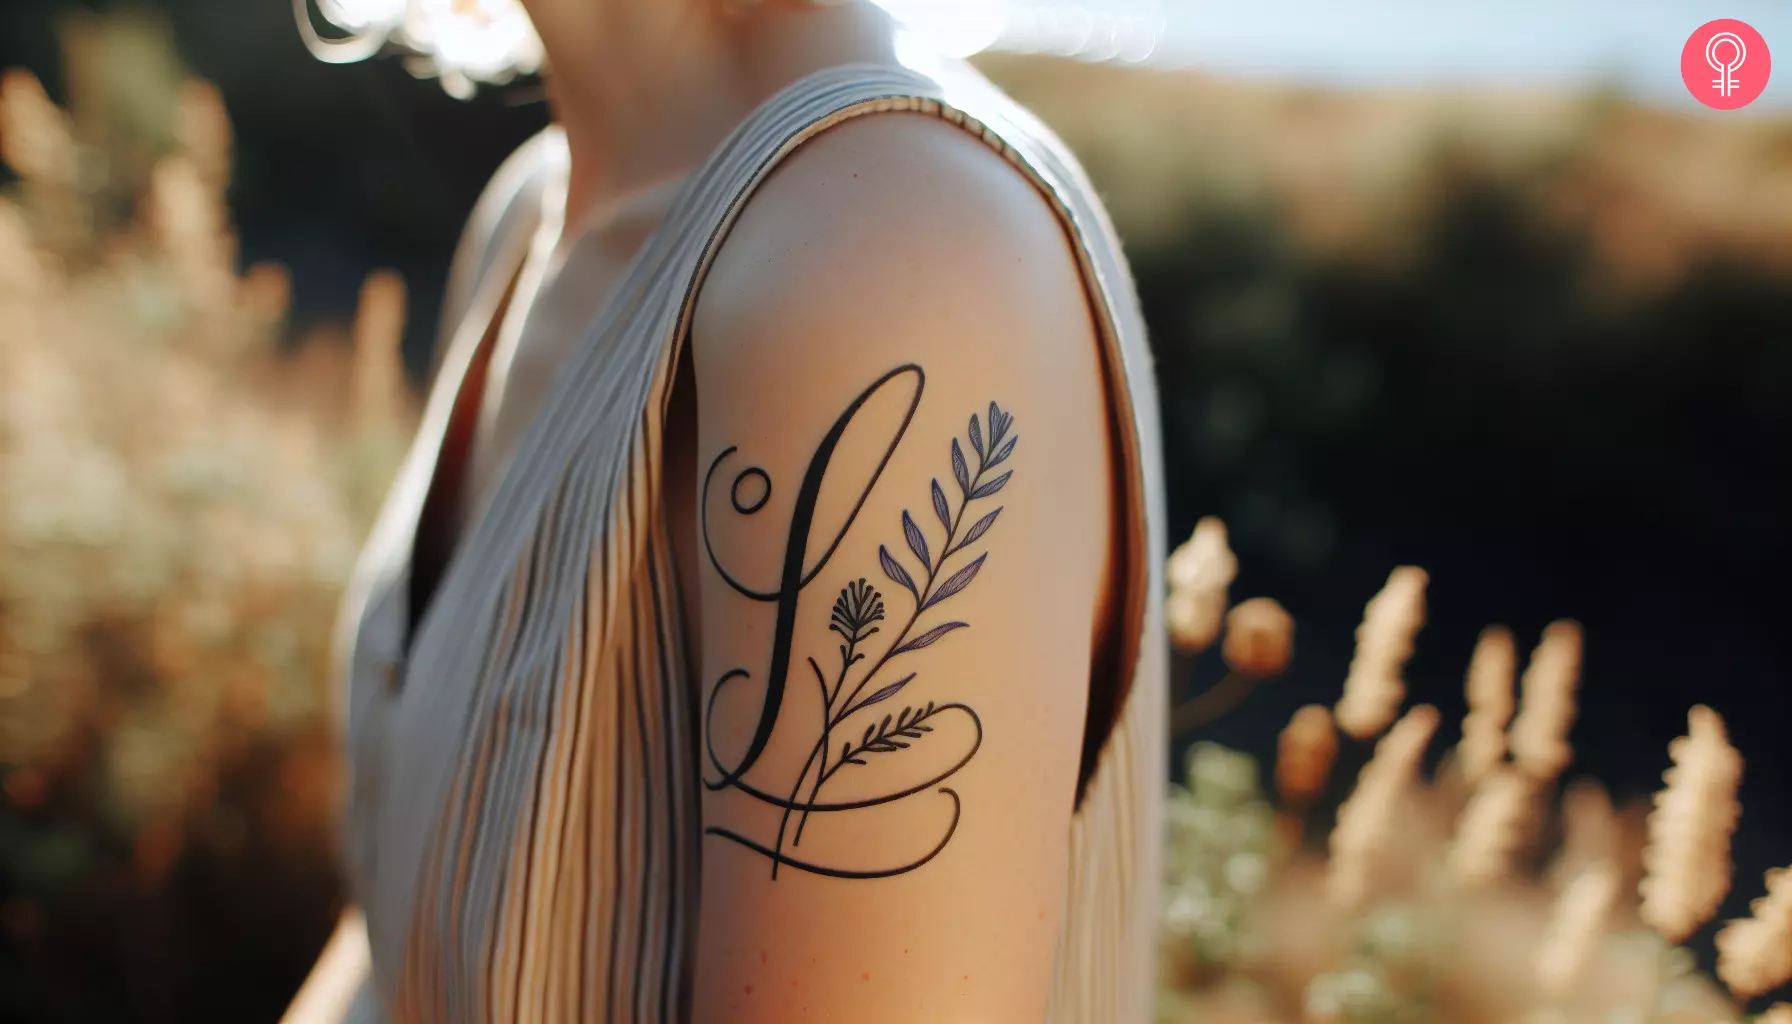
724	653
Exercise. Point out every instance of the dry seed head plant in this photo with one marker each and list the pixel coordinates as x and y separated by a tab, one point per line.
1574	928
1688	856
1259	633
181	499
1200	572
1492	831
1468	895
1591	830
1376	687
1539	736
1754	954
1368	819
1304	755
1259	638
1490	703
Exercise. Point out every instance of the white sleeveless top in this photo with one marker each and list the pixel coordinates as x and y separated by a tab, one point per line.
523	831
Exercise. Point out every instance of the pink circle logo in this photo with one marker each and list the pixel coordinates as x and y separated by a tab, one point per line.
1725	64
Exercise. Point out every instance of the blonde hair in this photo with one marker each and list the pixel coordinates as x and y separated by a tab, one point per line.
465	43
462	42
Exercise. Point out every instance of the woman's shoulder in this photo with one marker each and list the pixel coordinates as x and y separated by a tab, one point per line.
896	203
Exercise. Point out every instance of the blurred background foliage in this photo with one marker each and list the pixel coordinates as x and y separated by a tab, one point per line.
1535	342
183	488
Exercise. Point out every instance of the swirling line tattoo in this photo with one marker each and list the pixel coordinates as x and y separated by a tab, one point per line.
842	694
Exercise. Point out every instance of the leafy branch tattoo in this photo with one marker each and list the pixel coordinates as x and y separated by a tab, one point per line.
874	663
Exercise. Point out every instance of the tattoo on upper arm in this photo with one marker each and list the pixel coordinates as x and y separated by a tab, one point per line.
876	660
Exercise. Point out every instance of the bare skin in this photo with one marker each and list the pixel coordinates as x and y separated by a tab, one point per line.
893	241
887	242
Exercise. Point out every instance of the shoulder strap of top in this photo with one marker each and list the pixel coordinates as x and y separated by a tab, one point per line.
506	210
823	100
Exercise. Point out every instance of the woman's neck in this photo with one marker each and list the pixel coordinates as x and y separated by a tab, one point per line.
646	89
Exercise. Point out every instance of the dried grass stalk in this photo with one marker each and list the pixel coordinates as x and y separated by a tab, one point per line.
1200	571
1539	737
1490	703
1576	927
1304	755
1754	954
1375	687
1687	862
1366	820
1493	829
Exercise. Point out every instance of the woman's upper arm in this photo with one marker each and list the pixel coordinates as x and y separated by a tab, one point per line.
903	466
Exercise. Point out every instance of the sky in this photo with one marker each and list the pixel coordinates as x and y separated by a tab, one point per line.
1631	45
